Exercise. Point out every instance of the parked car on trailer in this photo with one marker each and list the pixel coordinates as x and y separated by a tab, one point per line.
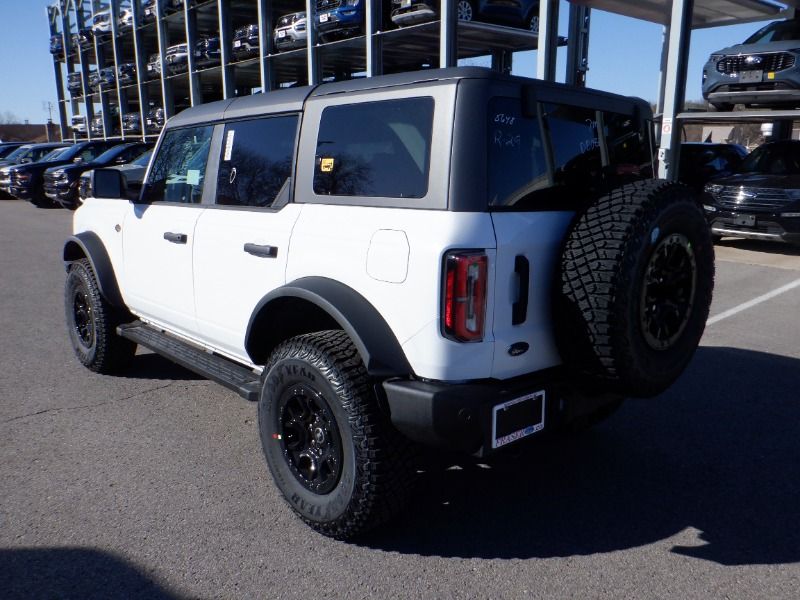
701	162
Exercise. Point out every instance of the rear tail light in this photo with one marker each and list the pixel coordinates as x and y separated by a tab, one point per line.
464	310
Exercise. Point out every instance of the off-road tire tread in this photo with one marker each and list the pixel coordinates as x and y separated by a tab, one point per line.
385	460
597	266
112	353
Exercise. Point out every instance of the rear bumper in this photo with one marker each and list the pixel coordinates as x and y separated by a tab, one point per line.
459	416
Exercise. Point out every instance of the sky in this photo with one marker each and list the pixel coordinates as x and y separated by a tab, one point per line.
624	57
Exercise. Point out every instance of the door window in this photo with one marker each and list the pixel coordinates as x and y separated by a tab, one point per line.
256	160
179	167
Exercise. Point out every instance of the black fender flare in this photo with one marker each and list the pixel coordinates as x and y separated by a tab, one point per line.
88	244
376	343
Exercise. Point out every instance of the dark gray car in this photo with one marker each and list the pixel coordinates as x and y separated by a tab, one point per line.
763	71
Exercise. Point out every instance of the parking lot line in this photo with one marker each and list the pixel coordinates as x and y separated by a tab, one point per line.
753	302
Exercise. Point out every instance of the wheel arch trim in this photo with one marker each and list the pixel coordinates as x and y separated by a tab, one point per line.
376	343
88	244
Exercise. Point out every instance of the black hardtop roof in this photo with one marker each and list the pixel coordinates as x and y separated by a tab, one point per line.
293	99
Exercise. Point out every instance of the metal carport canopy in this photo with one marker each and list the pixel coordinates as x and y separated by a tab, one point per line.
707	13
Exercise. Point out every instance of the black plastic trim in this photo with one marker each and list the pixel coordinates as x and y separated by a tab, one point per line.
374	339
88	244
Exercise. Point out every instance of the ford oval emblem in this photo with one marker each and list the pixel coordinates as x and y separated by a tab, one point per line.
518	348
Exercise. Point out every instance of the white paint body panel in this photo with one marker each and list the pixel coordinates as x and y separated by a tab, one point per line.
228	281
387	257
334	242
537	236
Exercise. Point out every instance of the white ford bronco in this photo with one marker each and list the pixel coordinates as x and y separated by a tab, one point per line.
450	258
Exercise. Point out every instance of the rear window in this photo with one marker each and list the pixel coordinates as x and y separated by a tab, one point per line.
375	149
532	160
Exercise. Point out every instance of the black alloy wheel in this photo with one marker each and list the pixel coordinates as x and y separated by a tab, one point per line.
310	438
668	291
83	316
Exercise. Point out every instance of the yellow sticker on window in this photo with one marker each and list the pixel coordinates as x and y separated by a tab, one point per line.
771	75
326	165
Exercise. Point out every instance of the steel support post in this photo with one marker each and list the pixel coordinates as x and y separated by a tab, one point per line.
225	44
662	80
141	68
83	58
374	15
578	44
502	61
448	36
190	20
66	37
100	55
62	106
265	27
311	43
675	89
122	96
548	40
163	43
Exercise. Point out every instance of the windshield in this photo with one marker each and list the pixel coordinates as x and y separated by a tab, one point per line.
53	154
773	159
7	151
143	159
20	152
778	31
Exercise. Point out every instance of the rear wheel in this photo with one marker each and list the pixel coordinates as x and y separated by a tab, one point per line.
333	454
636	280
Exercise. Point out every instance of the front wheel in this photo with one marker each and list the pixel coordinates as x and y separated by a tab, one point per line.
333	454
91	323
465	10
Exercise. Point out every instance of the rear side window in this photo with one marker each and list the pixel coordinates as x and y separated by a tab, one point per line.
531	160
375	149
179	167
256	160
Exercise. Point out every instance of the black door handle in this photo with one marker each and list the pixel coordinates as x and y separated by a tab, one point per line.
175	238
519	309
259	250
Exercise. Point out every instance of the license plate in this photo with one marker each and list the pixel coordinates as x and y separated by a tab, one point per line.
745	220
750	77
237	43
323	18
281	34
517	419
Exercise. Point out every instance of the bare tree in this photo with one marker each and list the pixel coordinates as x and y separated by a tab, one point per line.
9	118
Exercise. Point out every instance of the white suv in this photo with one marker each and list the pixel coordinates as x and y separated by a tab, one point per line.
452	258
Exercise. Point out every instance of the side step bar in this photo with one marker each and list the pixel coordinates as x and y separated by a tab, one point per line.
216	368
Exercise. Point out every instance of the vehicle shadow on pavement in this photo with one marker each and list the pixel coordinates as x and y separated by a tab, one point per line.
759	246
713	462
79	573
154	366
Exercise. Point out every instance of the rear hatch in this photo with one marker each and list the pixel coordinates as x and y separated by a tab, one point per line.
546	160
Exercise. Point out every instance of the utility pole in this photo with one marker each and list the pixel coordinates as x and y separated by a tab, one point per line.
48	107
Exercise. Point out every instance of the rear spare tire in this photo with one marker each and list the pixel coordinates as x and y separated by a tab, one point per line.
634	290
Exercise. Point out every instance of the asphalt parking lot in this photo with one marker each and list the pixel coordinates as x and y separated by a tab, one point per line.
153	484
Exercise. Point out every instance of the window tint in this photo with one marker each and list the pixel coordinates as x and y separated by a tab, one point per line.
531	159
517	163
179	168
375	149
256	160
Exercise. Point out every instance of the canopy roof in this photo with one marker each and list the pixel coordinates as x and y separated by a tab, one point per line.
707	13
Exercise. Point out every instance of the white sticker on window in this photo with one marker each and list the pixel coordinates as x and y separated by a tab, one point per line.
193	176
229	145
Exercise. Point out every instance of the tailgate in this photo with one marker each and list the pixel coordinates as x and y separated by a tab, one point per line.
528	247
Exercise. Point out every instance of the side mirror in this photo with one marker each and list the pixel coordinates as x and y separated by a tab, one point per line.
121	160
25	161
77	160
109	183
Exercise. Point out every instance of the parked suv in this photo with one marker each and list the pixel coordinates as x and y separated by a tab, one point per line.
75	83
155	119
101	24
61	182
154	66
27	181
762	199
290	33
339	18
207	52
16	174
514	13
762	71
176	58
378	284
126	73
245	42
